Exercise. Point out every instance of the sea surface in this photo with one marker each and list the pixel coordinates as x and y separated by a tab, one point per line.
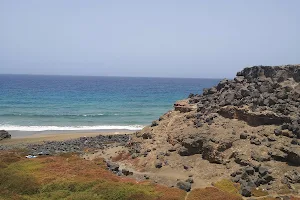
50	103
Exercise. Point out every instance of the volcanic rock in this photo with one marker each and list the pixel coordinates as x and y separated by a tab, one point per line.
251	121
186	186
4	135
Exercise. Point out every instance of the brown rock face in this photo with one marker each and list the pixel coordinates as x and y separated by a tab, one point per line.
258	95
183	106
253	118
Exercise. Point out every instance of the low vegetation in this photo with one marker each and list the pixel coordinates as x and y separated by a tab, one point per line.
70	177
228	186
212	193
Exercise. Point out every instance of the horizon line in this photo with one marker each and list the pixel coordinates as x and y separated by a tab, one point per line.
112	76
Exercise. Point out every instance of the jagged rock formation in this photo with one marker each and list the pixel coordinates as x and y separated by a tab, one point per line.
252	120
258	95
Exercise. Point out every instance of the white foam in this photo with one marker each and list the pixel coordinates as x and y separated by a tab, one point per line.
68	128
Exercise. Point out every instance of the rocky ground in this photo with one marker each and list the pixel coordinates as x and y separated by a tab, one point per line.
246	130
79	145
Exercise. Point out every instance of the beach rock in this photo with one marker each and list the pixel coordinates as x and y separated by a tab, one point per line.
262	171
244	136
112	166
225	144
126	172
158	164
146	176
246	191
191	146
186	186
295	141
240	158
278	155
277	132
134	155
255	141
210	153
4	135
250	170
147	135
183	106
293	154
154	123
261	154
190	180
292	176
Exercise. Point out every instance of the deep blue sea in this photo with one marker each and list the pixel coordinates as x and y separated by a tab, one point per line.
46	103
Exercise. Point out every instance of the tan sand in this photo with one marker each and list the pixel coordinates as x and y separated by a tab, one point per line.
38	138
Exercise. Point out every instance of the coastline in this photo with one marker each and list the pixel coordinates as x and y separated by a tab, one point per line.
23	137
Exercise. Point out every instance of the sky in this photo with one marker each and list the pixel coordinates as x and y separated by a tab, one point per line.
157	38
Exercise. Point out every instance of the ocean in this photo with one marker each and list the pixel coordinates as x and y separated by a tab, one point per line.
65	103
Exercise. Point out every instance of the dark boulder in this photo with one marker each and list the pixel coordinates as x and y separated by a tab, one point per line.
262	171
293	154
211	154
154	123
224	145
255	141
147	135
249	170
244	136
260	154
112	166
277	132
192	146
245	92
190	180
292	176
158	164
186	186
126	172
4	135
250	178
240	158
246	191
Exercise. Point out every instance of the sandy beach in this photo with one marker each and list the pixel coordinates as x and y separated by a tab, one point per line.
38	137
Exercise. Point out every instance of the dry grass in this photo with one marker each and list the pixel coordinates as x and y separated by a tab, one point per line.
211	193
228	186
259	192
68	176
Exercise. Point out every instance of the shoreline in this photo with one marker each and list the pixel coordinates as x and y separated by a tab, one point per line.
38	137
26	134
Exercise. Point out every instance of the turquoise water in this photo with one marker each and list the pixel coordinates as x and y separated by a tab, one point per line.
39	103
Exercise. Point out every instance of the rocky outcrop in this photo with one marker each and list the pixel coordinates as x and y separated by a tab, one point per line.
250	178
4	135
184	106
258	95
253	118
251	121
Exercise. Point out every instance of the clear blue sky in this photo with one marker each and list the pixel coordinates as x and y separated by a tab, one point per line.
164	38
